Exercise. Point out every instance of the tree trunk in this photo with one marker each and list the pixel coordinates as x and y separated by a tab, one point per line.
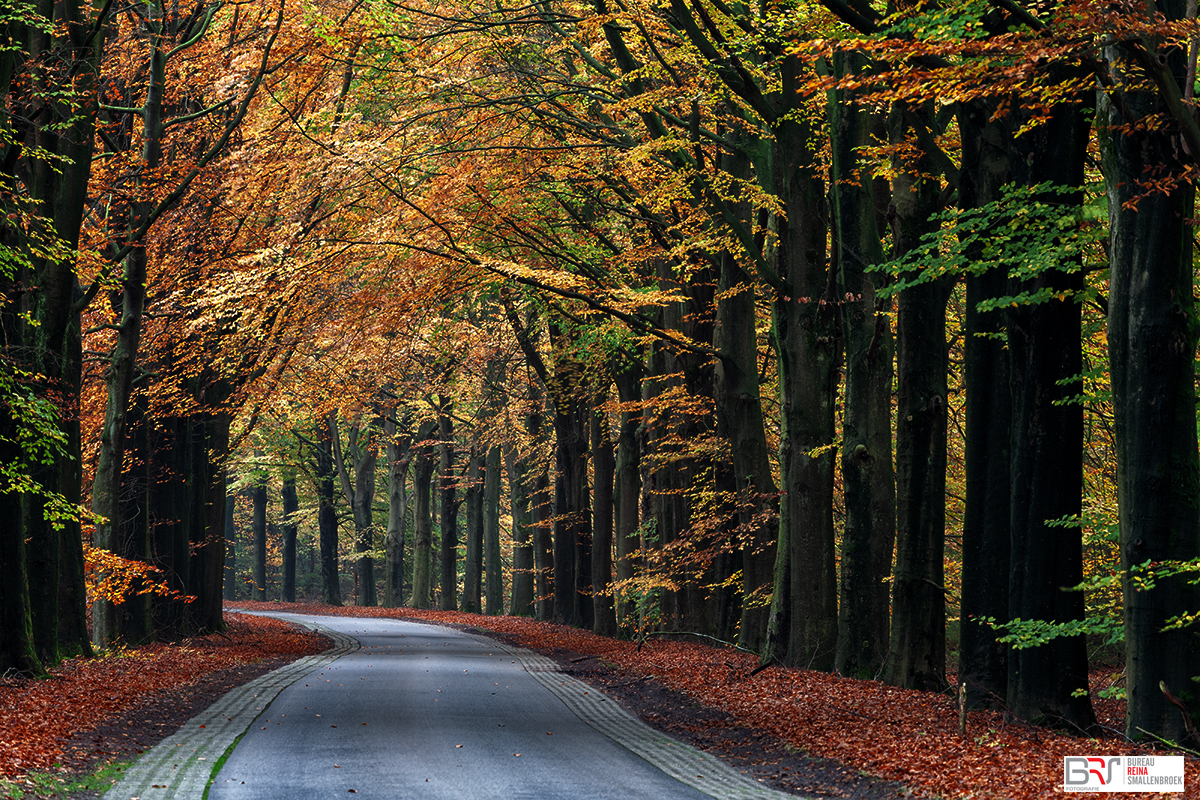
449	510
133	616
918	637
494	592
604	620
868	479
399	453
49	128
16	631
291	506
472	600
171	508
738	405
522	533
987	537
628	485
258	529
129	305
802	629
327	521
571	528
1044	342
423	519
1151	350
543	545
206	535
229	589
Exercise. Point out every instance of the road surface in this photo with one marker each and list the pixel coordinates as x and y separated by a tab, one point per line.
407	710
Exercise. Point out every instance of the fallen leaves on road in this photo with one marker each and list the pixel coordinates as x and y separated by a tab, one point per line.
891	733
38	716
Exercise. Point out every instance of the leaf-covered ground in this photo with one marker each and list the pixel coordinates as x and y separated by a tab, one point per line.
904	736
42	721
891	733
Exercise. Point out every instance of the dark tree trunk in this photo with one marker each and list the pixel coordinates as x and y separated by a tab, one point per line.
449	510
571	523
16	631
49	125
604	620
206	534
869	486
543	545
628	484
494	568
738	406
363	451
1044	342
171	510
399	454
134	622
423	519
258	529
918	636
291	506
472	601
522	534
1151	348
802	629
229	590
987	537
327	521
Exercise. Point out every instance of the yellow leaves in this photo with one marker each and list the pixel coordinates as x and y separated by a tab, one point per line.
116	579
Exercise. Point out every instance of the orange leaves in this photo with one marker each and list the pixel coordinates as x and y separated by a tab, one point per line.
116	579
36	717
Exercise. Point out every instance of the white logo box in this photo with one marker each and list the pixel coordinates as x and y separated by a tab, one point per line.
1122	774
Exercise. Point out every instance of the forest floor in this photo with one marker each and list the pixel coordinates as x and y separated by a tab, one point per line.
804	732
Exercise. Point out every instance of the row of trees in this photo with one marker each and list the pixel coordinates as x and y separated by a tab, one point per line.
678	275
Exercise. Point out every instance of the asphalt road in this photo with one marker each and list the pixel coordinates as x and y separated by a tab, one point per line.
427	712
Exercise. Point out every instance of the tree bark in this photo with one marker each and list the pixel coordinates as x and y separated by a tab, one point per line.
327	521
518	468
399	454
229	588
571	525
1044	342
604	622
918	636
449	507
987	530
738	405
1151	350
360	496
258	529
543	545
472	596
291	507
423	519
868	479
494	578
802	629
628	485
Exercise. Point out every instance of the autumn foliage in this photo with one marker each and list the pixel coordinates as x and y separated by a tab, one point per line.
37	717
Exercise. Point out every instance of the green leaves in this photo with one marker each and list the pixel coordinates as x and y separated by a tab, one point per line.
1029	231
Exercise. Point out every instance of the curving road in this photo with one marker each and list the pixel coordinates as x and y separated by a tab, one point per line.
408	710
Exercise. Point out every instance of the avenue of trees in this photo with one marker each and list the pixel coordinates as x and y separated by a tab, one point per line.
823	329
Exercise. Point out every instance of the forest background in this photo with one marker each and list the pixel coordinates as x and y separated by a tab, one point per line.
819	329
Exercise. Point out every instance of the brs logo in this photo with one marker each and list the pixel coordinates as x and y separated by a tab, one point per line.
1089	772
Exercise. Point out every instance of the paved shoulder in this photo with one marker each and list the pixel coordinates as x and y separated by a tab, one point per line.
182	765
